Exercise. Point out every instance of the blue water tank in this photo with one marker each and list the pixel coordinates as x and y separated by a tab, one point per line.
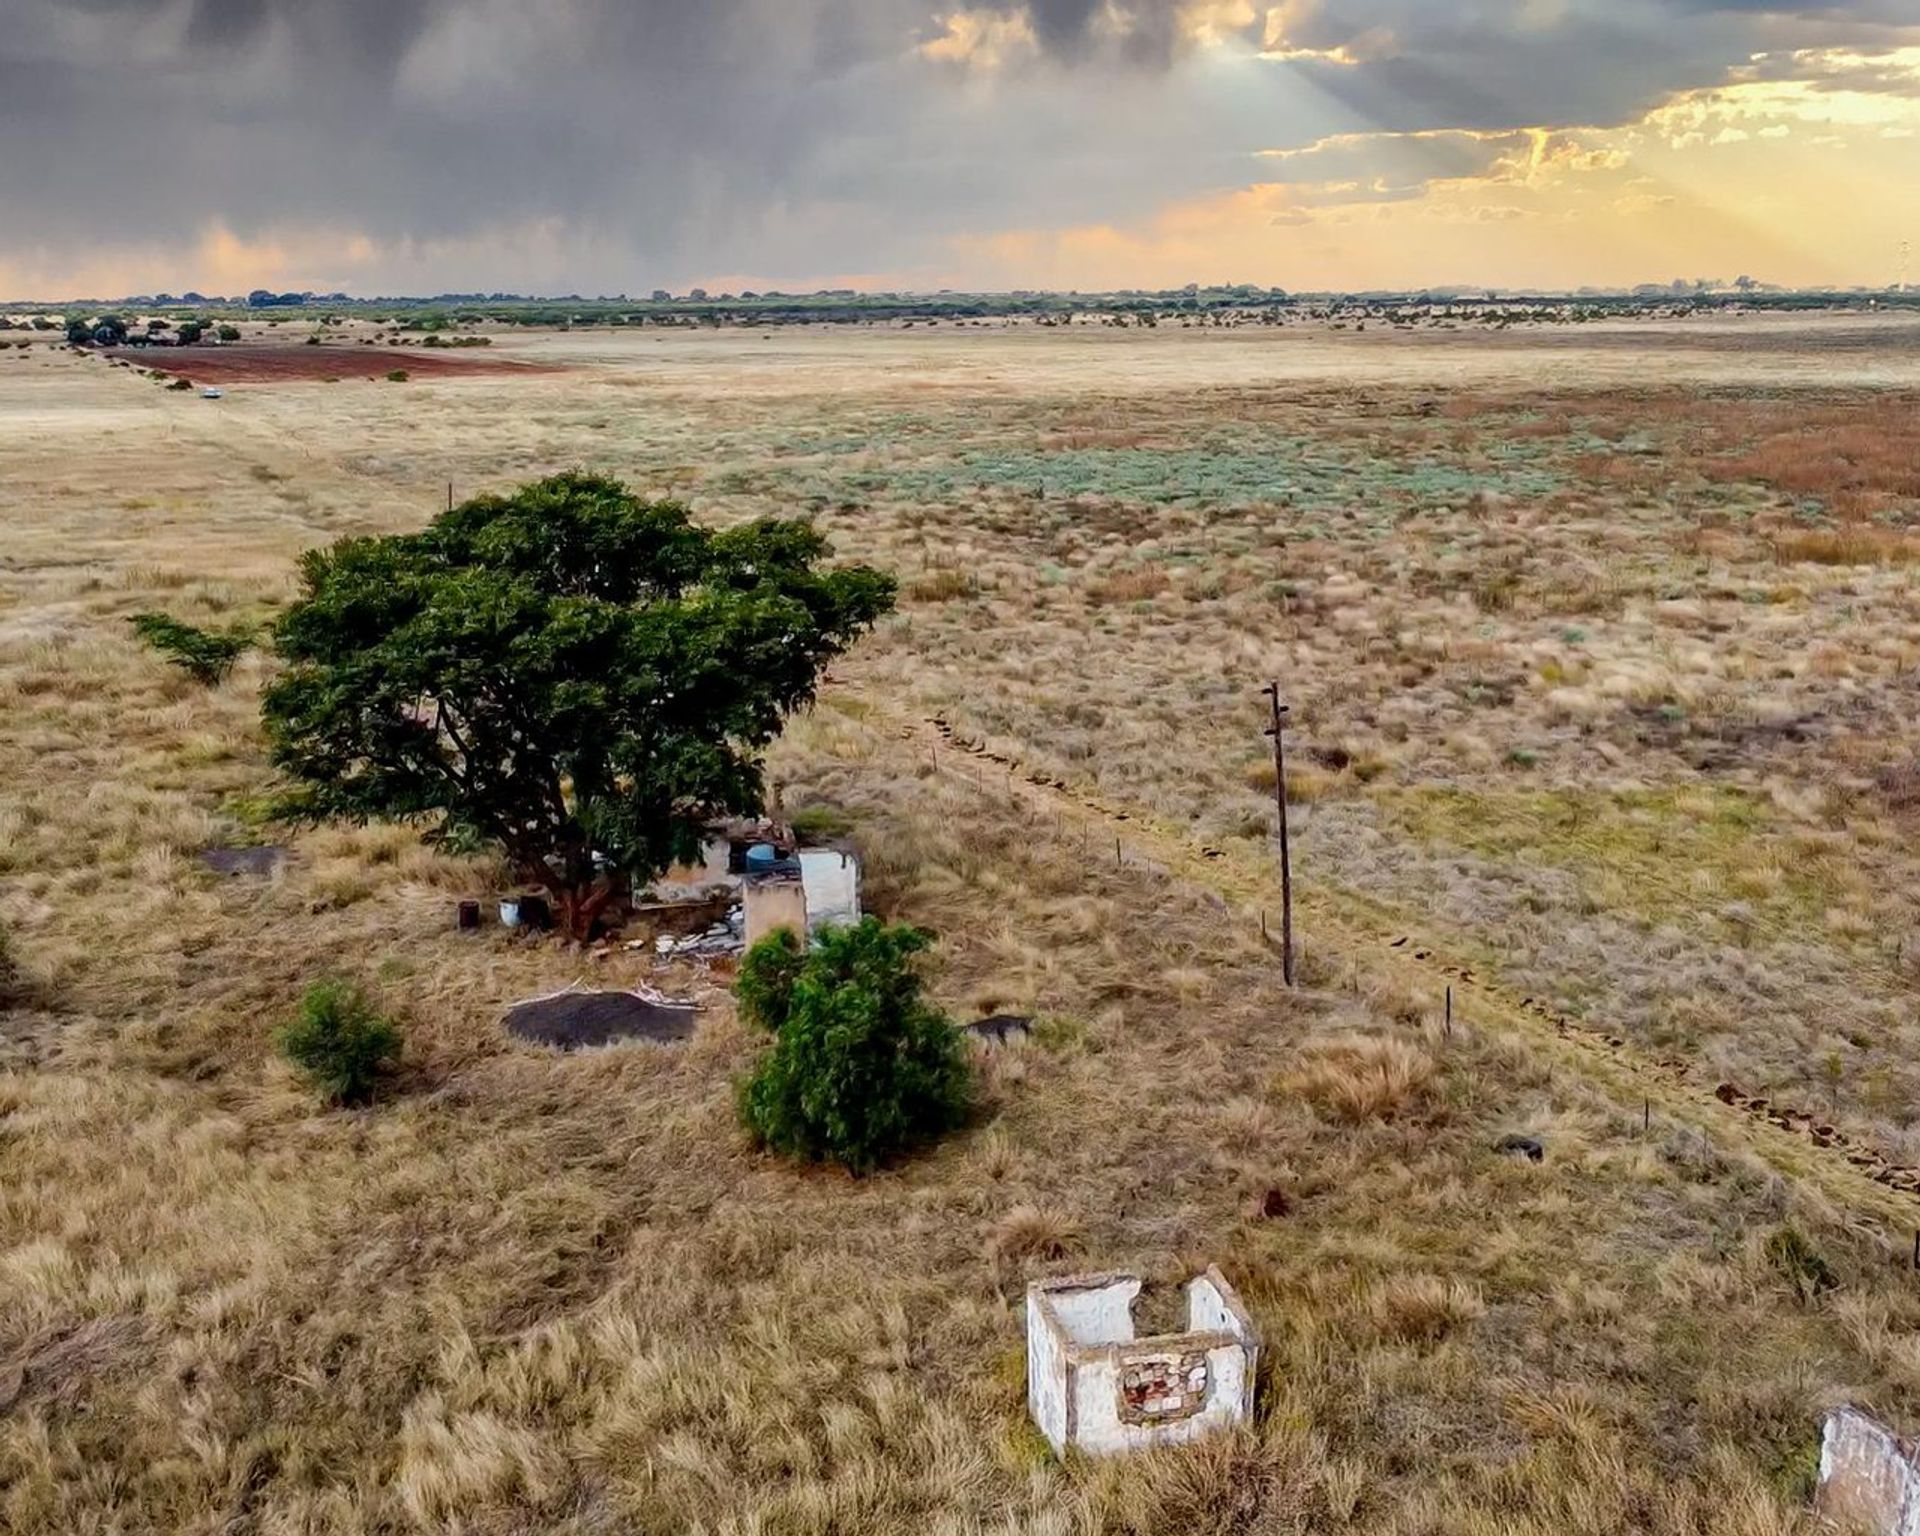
761	858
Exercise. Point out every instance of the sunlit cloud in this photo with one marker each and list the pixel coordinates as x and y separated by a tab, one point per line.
984	40
1301	31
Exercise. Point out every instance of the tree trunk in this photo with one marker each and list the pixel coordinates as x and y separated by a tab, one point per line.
579	907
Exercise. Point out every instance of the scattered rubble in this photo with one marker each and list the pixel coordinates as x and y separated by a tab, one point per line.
1529	1147
254	863
726	937
999	1027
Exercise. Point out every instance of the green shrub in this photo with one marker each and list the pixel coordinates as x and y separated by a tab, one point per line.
206	656
397	376
338	1043
820	823
768	972
1804	1266
862	1066
228	333
11	981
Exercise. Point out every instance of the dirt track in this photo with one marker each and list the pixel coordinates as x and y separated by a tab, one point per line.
1790	1139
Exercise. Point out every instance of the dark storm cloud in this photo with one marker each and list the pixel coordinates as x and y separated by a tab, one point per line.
662	140
218	23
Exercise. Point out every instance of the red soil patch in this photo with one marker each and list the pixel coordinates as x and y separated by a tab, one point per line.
273	364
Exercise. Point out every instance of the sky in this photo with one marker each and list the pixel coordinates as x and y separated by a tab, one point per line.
618	146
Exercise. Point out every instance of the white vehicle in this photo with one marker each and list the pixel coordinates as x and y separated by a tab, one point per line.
210	393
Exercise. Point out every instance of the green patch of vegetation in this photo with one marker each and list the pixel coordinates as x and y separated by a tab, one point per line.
1806	1269
205	655
338	1043
820	823
1061	1035
1663	855
1289	471
861	1067
929	461
10	975
255	813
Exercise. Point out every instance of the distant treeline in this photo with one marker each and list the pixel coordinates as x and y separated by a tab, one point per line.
1242	303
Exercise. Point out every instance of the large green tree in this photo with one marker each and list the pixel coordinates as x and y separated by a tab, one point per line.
576	674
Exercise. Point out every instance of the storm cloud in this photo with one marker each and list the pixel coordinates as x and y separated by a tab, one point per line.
609	145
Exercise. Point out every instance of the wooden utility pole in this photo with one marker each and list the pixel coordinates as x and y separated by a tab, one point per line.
1277	732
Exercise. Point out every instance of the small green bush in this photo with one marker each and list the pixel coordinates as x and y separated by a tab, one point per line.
820	823
397	376
862	1066
206	656
1804	1266
768	972
338	1043
11	981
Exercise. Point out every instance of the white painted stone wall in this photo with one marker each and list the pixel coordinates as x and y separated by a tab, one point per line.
1095	1387
832	882
1868	1479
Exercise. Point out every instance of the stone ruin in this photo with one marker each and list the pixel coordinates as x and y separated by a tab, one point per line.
1095	1387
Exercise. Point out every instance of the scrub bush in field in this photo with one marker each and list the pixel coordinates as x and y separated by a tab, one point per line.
862	1066
339	1043
205	655
10	978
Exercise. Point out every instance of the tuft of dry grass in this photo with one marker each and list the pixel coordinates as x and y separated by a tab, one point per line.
1032	1234
1852	544
1363	1077
1424	1308
943	586
1137	585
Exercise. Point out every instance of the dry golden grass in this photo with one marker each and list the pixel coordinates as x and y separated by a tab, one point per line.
1370	1077
1854	544
1860	458
560	1294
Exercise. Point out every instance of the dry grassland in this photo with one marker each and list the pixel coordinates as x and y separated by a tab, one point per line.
1602	650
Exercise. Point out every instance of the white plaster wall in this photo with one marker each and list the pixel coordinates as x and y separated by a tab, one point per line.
832	882
1046	1376
1207	1309
1099	1430
1102	1315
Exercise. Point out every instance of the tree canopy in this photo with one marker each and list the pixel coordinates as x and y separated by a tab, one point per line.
574	673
